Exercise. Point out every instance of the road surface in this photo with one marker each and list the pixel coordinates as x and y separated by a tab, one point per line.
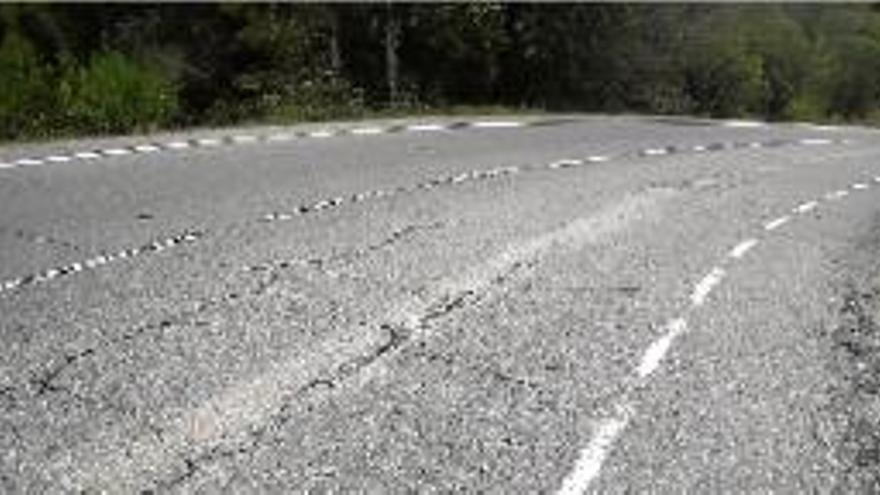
507	305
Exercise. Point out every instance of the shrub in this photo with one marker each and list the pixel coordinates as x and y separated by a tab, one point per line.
27	103
114	94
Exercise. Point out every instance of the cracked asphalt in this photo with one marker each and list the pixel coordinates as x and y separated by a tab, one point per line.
448	308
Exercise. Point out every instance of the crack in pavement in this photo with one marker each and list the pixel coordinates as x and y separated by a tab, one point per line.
44	382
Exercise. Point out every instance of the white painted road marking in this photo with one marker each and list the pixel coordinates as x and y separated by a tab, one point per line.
775	224
836	194
590	461
116	151
29	161
805	207
859	186
177	145
87	155
146	148
321	134
425	127
597	158
496	124
815	141
658	349
740	249
365	131
705	286
208	142
654	151
58	158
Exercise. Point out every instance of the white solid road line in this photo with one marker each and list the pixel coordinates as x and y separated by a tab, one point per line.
658	349
705	286
740	249
775	224
590	461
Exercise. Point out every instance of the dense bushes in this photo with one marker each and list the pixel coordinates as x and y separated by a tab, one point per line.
90	68
109	94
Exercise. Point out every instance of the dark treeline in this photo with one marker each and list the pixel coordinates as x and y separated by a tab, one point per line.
93	68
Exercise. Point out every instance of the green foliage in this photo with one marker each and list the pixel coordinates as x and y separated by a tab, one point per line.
108	68
113	94
26	97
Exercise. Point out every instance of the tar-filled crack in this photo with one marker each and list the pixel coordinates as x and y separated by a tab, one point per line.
45	239
45	382
397	336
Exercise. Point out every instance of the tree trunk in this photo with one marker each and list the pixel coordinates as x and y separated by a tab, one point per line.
392	61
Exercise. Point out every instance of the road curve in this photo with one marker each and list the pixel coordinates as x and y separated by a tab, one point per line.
511	305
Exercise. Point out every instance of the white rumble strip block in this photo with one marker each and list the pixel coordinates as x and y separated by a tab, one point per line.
806	207
146	148
29	161
116	151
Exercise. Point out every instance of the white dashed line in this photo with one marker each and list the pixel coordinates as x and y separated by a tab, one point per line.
496	124
6	165
58	158
742	248
177	145
208	142
147	148
859	186
367	131
116	151
425	127
87	155
806	207
597	158
321	134
590	461
654	151
756	144
705	286
836	194
775	224
29	161
815	141
699	148
743	123
658	349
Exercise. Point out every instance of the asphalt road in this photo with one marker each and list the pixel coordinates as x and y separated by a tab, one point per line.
508	305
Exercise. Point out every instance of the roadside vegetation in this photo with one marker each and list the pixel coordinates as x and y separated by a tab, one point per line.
71	69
